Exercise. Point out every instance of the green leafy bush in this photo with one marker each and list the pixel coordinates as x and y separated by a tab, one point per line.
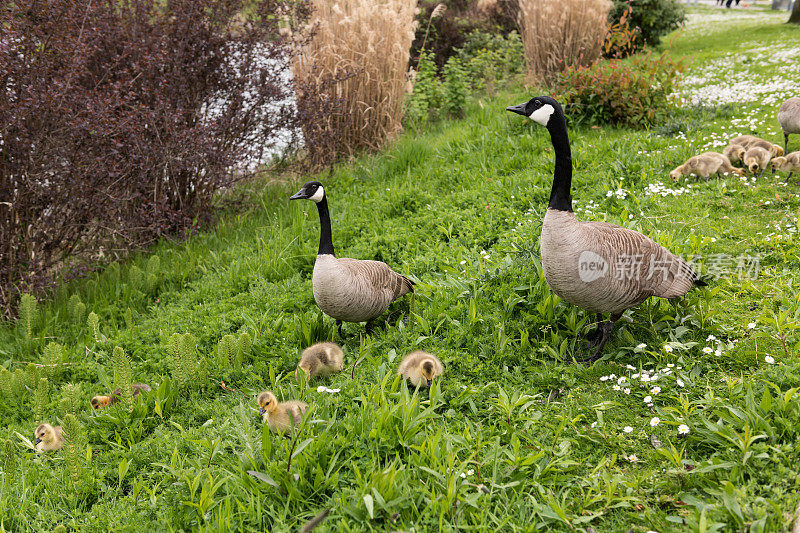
654	18
490	59
434	96
633	92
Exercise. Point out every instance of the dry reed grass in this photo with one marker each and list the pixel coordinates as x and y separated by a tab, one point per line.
354	53
561	33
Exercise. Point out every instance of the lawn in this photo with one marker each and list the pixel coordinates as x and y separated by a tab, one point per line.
515	436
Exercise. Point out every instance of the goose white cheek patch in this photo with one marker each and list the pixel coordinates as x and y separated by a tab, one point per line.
317	197
542	115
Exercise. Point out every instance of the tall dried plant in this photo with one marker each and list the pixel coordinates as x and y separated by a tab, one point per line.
354	53
561	33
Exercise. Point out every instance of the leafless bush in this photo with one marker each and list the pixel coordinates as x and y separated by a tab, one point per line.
120	120
561	33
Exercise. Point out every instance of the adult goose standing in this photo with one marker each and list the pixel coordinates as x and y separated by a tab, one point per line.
349	290
789	119
598	266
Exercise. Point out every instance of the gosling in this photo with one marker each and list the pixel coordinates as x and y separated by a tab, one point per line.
48	438
420	368
280	416
790	164
734	153
704	165
98	402
756	158
745	140
321	359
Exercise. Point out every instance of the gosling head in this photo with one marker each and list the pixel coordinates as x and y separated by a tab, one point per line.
267	402
311	190
776	151
305	366
44	433
98	402
737	153
427	369
677	173
777	163
540	109
753	167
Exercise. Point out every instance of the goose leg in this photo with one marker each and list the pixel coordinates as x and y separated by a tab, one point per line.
606	328
339	327
762	173
593	338
785	143
369	327
789	176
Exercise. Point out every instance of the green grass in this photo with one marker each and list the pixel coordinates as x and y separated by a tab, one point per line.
540	441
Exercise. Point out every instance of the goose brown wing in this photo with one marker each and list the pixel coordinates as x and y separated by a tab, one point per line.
380	276
641	267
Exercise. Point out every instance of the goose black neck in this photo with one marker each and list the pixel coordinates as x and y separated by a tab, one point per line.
560	198
325	237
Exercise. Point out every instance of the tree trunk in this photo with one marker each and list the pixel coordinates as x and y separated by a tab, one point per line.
795	17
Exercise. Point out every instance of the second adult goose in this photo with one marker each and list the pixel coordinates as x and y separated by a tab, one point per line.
598	266
349	290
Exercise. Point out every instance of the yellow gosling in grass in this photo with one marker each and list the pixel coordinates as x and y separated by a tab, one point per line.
790	163
48	438
745	140
704	165
773	149
734	153
280	416
98	402
756	158
321	359
420	368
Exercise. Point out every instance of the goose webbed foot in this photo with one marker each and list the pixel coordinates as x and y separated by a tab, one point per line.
605	330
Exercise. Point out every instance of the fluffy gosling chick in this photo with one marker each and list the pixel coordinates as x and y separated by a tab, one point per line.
48	438
756	158
790	163
280	416
704	165
772	148
99	402
321	359
745	140
420	368
734	153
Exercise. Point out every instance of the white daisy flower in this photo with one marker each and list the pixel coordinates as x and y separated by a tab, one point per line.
622	379
627	429
594	424
470	472
683	430
627	391
711	338
647	399
603	378
769	359
632	458
617	387
751	325
655	421
641	346
668	348
655	391
680	382
717	352
708	349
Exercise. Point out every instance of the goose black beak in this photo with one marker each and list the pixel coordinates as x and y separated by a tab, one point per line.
518	109
299	195
37	440
262	411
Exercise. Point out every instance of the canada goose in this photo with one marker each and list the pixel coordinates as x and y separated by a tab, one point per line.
598	266
789	119
734	153
280	416
704	165
48	438
104	401
790	163
321	359
420	368
756	158
349	290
